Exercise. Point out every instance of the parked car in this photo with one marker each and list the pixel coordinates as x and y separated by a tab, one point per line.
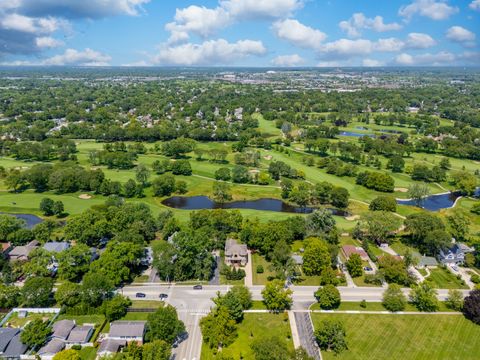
163	296
140	295
198	287
367	268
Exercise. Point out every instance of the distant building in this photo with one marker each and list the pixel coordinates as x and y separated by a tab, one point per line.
235	253
455	254
56	246
129	331
19	253
10	345
348	250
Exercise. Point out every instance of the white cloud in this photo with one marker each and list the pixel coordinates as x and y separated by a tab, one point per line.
288	60
79	8
298	34
347	47
212	52
48	42
461	35
475	5
419	41
199	20
436	10
16	22
389	45
440	58
87	57
372	63
359	21
248	9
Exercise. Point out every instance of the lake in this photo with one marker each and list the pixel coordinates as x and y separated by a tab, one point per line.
204	202
30	220
438	201
354	134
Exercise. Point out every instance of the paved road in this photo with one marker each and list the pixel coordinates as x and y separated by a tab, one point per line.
305	333
193	304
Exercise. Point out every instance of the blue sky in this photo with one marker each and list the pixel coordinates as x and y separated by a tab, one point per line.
240	32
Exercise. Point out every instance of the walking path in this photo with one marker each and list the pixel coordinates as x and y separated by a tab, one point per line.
294	330
248	270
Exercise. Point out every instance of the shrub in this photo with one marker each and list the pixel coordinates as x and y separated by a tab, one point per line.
328	297
475	279
260	269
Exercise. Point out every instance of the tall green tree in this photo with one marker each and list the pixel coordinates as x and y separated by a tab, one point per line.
164	325
276	297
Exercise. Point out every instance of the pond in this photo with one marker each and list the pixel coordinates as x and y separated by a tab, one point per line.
30	220
204	202
438	201
354	134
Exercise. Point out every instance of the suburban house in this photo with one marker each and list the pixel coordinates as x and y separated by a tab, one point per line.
5	248
10	345
109	347
22	252
235	253
129	331
48	351
348	250
455	254
56	246
65	332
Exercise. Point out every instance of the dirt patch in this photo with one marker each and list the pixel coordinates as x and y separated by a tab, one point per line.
345	234
254	171
352	218
268	157
400	189
85	196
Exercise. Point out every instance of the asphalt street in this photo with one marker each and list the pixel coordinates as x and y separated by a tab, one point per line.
192	304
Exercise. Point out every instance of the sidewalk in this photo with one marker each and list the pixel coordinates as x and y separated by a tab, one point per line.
248	270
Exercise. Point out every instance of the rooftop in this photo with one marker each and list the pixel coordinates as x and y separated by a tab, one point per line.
62	328
232	248
56	246
127	329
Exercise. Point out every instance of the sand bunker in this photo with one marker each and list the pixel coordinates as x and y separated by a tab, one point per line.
352	218
399	189
85	196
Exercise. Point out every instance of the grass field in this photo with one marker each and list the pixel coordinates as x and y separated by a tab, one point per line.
16	322
260	279
254	326
379	337
375	306
444	279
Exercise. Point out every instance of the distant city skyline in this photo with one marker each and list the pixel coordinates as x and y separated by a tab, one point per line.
263	33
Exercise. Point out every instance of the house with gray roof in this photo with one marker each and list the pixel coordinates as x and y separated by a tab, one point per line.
53	347
23	252
109	347
80	334
61	329
235	253
11	347
56	246
129	331
455	254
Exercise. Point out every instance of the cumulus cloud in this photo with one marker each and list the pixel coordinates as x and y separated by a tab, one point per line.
298	34
48	42
419	41
205	22
248	9
87	57
359	21
197	19
372	63
461	35
212	52
440	58
435	10
78	9
475	5
288	60
347	48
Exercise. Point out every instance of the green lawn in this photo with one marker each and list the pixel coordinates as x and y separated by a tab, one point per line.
374	306
260	279
254	326
88	353
380	337
16	322
444	279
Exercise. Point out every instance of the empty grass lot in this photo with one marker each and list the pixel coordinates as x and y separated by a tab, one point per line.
444	279
254	326
405	337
